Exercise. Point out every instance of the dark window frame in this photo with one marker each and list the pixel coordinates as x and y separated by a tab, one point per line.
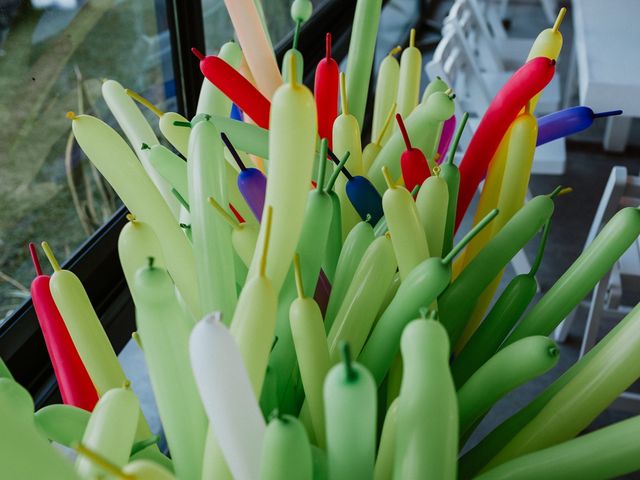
96	261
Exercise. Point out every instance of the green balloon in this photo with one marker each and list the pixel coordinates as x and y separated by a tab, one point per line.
19	398
421	287
286	452
286	63
320	467
610	452
597	259
456	304
511	367
63	424
24	451
486	340
435	85
356	243
334	242
476	458
350	414
427	424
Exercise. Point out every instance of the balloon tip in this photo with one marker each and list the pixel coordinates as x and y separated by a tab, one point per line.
71	115
197	53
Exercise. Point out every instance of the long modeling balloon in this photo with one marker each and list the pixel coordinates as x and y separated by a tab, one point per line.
476	458
450	173
254	320
237	88
567	122
111	429
255	44
457	302
312	352
407	235
292	140
609	372
138	131
385	458
286	452
228	397
364	31
427	425
212	100
351	439
76	387
355	245
510	367
165	335
363	299
325	92
385	95
415	168
504	314
610	452
613	240
371	151
514	95
409	79
432	205
212	246
421	287
115	160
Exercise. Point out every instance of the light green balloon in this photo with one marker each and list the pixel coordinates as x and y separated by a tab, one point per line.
64	424
431	205
111	430
286	452
212	246
165	335
24	451
386	451
362	45
362	300
386	91
606	453
427	424
351	438
286	64
356	243
511	367
409	81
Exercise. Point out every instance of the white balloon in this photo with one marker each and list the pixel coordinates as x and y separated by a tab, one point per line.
228	397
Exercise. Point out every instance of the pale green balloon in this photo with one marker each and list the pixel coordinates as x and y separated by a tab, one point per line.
286	452
111	430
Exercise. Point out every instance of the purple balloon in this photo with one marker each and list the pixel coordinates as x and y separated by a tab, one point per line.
567	122
448	129
253	186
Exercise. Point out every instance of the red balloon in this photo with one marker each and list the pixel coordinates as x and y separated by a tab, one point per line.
413	163
523	85
237	88
76	387
325	91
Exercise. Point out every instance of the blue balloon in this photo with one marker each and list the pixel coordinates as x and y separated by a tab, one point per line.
567	122
365	198
236	113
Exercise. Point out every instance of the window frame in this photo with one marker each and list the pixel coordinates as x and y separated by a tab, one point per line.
96	261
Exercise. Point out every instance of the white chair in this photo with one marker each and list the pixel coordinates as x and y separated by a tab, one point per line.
466	20
622	190
455	64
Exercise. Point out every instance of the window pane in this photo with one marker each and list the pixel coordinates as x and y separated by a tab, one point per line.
53	57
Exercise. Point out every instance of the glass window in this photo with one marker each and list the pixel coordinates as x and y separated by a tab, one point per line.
53	57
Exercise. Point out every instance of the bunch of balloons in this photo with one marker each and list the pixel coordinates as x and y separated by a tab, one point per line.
301	305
